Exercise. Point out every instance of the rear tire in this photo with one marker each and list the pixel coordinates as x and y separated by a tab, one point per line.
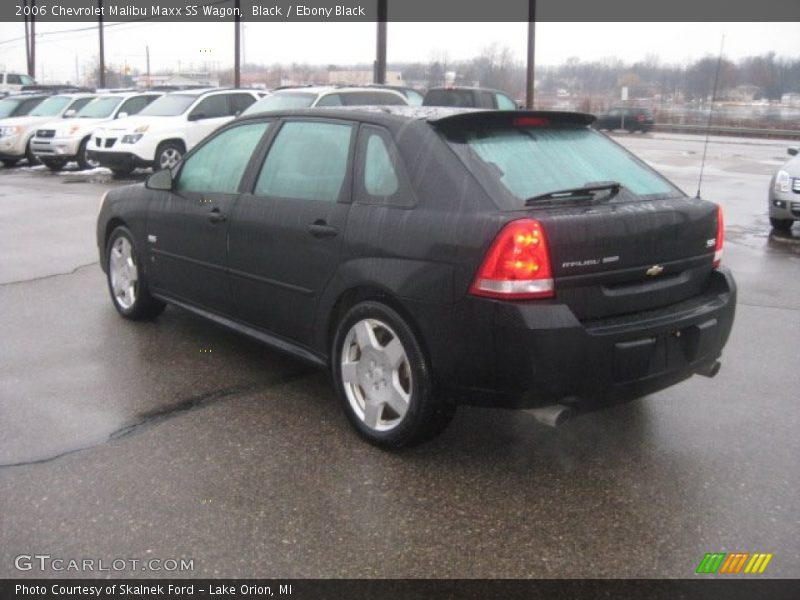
383	379
784	225
127	281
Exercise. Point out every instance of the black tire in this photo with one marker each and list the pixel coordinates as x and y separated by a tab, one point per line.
54	164
9	162
144	306
426	415
121	172
83	161
164	149
784	225
30	156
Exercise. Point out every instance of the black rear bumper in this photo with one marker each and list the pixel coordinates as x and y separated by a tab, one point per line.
539	354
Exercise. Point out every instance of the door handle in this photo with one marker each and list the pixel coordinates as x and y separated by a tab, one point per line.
321	229
216	216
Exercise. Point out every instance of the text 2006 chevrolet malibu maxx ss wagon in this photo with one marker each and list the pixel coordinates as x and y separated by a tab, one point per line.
432	257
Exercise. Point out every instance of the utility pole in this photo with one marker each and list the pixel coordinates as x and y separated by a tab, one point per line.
380	51
32	67
102	80
27	40
77	76
531	54
148	85
237	65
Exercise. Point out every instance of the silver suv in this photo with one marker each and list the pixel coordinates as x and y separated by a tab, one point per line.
784	193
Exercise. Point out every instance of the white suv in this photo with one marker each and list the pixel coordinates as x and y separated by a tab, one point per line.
16	133
56	143
13	82
166	129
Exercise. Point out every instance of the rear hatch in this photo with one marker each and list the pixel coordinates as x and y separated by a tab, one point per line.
621	237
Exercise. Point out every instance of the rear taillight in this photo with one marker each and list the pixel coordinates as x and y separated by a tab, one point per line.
517	265
720	238
531	122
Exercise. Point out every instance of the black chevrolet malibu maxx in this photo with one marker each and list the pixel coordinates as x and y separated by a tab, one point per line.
431	257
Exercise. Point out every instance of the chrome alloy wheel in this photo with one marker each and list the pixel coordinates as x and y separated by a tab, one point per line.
168	158
376	374
123	272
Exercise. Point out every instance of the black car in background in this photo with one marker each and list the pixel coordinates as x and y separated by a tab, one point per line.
630	119
432	257
469	97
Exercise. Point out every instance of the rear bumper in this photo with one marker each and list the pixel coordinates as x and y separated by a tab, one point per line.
540	354
118	160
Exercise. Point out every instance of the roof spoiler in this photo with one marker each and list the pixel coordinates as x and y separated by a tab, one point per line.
511	118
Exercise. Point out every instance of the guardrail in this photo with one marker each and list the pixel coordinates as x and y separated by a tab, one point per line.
758	132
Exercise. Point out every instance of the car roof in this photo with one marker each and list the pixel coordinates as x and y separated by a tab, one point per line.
203	91
332	89
470	88
395	116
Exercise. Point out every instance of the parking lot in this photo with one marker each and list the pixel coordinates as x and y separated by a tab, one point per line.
176	439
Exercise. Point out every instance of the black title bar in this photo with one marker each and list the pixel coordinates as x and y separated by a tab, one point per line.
188	11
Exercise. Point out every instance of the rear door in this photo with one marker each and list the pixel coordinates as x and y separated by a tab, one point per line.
187	229
205	117
285	236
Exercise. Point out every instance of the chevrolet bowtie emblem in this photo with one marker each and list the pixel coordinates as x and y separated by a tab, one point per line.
655	270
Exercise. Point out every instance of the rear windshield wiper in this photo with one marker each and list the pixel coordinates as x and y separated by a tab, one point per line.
583	192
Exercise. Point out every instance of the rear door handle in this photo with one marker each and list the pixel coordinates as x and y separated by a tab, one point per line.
216	216
321	229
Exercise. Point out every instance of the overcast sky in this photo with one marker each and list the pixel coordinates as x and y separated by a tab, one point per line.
349	43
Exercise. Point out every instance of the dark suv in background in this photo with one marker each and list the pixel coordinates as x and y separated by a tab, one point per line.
624	117
432	257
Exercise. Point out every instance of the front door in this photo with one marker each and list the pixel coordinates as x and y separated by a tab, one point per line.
285	236
187	229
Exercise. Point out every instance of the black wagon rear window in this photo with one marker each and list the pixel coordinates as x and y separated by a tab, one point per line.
531	161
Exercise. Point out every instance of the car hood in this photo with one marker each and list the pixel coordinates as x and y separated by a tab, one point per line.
131	124
26	121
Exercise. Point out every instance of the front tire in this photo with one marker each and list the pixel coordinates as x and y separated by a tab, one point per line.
84	163
784	225
30	156
120	173
127	281
168	155
383	378
54	164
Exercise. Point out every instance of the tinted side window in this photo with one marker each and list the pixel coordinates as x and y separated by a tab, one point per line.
14	79
80	103
218	165
330	100
504	102
307	161
212	107
27	106
485	99
134	105
239	102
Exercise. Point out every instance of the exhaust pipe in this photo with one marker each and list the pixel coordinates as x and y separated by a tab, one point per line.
709	370
554	415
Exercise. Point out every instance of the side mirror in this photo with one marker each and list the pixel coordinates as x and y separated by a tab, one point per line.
122	115
160	180
70	113
197	116
792	150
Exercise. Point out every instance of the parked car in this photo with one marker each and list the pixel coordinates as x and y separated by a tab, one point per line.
57	142
25	113
306	97
468	97
13	82
784	193
165	130
623	117
413	96
432	257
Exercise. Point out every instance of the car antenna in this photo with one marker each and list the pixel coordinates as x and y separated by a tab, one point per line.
710	113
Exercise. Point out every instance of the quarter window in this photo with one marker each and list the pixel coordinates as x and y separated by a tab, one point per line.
218	165
380	178
239	102
307	161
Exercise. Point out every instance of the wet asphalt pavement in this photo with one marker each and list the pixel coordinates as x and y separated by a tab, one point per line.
177	439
